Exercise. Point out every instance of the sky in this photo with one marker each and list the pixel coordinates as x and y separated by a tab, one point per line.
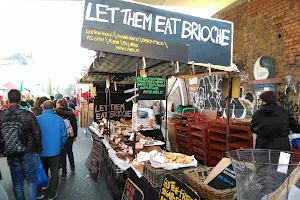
51	32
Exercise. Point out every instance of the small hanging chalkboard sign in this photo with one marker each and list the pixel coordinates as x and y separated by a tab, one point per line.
151	88
172	188
132	191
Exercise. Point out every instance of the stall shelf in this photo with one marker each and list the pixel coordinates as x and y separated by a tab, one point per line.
198	138
240	137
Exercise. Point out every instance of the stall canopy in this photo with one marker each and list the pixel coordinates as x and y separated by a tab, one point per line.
127	31
123	68
10	86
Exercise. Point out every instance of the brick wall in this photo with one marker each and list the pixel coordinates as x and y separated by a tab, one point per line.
266	28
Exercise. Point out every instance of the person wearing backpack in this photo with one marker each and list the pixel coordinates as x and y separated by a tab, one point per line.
20	143
67	114
54	137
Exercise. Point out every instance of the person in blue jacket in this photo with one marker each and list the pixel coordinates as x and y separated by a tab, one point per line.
54	137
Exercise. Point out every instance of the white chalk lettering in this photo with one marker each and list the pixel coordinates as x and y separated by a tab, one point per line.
224	37
147	20
116	110
131	17
202	34
98	12
88	13
175	20
125	11
195	31
168	27
159	23
113	11
138	19
212	39
186	27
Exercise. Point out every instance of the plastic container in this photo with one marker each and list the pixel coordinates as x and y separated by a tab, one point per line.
266	174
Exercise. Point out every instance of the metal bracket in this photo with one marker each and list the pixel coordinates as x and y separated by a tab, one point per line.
192	68
177	67
144	62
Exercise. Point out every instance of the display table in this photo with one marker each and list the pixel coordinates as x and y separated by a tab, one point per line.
116	177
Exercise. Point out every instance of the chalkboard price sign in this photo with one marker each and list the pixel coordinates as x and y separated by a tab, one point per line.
151	88
95	159
132	191
172	188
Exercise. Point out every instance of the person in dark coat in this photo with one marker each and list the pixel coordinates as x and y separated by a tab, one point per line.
273	124
24	166
63	111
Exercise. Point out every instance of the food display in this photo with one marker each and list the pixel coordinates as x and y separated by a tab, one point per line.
124	147
138	165
177	158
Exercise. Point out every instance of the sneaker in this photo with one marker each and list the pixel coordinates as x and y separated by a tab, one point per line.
63	176
40	197
51	198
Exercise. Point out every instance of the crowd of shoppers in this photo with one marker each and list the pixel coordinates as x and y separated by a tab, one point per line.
44	131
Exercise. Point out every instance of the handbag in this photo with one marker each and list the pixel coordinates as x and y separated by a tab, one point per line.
42	176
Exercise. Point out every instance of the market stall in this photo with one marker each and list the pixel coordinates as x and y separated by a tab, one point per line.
141	46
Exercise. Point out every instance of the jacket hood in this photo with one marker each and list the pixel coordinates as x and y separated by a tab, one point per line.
65	112
271	109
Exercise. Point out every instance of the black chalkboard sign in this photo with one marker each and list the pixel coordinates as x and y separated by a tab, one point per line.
133	29
96	159
118	108
225	180
132	191
151	88
172	188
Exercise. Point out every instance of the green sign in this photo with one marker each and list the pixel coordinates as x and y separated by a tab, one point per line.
151	88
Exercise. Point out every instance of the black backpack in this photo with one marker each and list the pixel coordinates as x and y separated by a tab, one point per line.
12	134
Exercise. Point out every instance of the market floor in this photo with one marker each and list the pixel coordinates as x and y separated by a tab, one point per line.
78	186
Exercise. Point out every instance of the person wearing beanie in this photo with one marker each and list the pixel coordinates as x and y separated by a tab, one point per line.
58	96
272	124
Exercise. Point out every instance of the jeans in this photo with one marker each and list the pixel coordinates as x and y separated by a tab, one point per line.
68	150
51	163
20	167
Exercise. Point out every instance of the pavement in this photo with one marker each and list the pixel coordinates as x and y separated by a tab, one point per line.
77	186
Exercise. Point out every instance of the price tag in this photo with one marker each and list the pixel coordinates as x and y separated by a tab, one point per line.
283	162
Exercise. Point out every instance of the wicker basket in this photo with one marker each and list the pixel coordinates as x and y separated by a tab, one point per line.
195	178
155	176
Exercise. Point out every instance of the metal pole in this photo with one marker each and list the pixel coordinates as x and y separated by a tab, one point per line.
109	105
228	109
88	114
160	110
134	143
166	120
